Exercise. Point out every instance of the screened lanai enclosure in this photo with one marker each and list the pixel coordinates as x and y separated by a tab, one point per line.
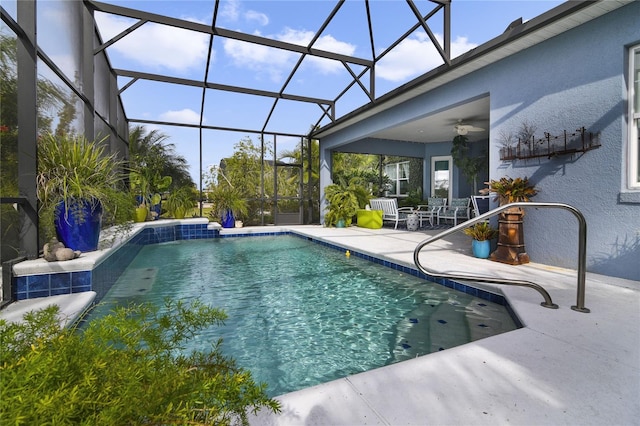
96	68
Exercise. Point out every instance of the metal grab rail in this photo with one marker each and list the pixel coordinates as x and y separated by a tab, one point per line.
582	254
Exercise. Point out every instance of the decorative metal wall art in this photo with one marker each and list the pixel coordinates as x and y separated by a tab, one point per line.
551	146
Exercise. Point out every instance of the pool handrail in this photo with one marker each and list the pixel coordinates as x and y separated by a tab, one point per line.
548	303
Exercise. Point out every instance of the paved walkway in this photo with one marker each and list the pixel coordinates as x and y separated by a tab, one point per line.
563	367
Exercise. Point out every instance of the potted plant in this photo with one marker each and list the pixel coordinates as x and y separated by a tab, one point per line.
482	233
344	201
180	202
147	184
511	247
228	204
469	166
79	187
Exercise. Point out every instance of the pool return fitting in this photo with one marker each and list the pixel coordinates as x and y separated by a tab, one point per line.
548	303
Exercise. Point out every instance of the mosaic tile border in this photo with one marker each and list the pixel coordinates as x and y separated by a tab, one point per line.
105	274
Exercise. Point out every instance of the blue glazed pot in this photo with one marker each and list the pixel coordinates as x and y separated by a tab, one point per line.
481	249
157	208
228	221
78	225
341	223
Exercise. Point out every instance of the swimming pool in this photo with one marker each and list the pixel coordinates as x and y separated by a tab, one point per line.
301	314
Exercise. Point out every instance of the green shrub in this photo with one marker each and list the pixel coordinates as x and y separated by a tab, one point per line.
122	369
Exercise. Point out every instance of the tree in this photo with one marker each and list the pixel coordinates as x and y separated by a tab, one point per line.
366	167
51	99
152	149
469	166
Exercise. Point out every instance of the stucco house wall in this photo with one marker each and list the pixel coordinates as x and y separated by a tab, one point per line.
573	80
576	79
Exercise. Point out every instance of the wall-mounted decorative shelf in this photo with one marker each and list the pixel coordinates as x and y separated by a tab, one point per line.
552	146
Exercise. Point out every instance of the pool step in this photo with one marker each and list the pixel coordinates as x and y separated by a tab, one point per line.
134	282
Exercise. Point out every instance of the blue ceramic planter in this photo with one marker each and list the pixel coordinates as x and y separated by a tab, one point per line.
481	249
78	226
228	221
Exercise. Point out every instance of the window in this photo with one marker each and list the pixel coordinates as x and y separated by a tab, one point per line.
634	118
399	175
441	177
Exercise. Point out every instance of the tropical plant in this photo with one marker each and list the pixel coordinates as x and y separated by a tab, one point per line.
180	201
73	170
344	200
251	177
148	185
225	197
511	248
125	368
412	199
481	231
511	190
365	167
469	166
152	150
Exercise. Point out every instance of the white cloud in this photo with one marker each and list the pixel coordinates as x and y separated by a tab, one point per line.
230	9
417	55
260	59
275	62
154	45
187	116
258	17
326	42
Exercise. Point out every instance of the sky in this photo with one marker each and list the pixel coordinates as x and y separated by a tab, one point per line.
169	51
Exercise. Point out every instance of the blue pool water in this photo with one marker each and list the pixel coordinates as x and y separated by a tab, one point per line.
300	313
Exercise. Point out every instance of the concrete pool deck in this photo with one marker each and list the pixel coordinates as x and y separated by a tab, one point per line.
562	367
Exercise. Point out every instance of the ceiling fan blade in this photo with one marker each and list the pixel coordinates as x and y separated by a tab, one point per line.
463	129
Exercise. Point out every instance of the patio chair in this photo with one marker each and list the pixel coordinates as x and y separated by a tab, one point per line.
431	209
480	204
390	210
459	209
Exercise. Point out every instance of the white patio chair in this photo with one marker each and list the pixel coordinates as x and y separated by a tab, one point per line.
430	210
481	204
390	210
459	209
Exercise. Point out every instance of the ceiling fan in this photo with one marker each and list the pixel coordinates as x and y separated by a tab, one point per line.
462	128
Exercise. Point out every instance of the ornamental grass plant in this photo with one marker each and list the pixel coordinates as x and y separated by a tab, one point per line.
481	231
73	168
125	368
